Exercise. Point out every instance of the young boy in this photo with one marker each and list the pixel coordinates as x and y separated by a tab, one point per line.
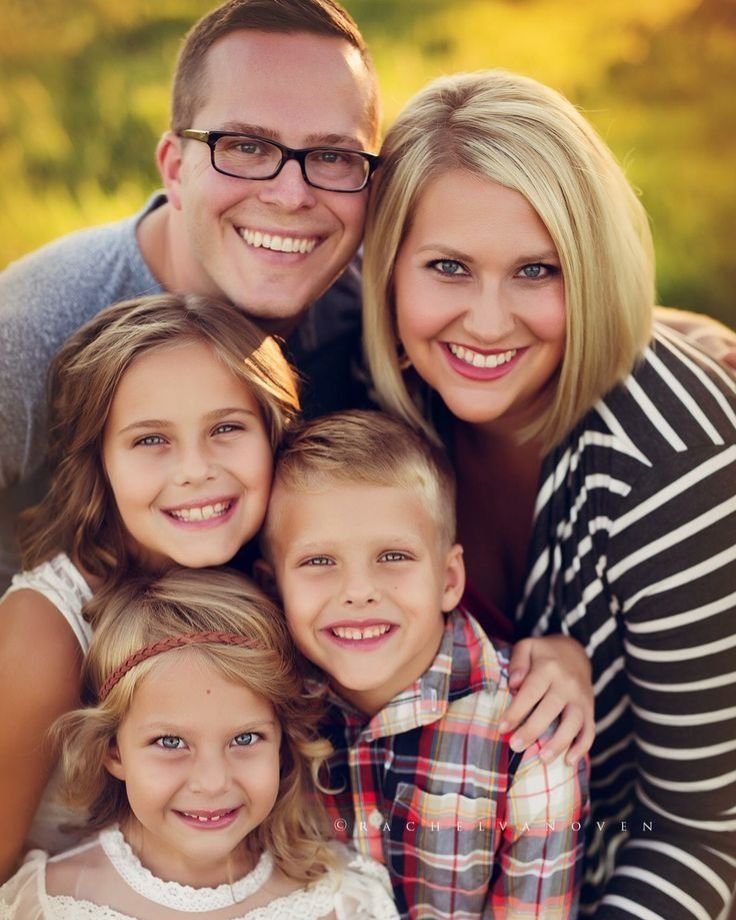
359	537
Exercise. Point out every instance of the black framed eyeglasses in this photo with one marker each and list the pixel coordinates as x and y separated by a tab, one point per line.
247	156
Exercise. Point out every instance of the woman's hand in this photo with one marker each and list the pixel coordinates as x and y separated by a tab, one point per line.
551	678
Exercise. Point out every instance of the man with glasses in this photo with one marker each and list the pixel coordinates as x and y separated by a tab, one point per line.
265	170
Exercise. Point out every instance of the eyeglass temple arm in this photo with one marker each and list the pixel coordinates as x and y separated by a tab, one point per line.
195	134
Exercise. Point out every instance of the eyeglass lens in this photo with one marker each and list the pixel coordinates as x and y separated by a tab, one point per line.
250	158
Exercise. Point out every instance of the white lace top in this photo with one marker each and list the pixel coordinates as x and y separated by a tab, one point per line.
104	880
61	583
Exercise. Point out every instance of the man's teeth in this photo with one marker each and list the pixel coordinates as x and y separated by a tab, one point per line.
370	632
277	242
477	359
201	513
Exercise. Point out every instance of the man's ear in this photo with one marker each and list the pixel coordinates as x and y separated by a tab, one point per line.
112	762
454	578
264	575
168	159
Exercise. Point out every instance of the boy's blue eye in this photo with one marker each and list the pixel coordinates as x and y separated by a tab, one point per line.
319	561
170	742
393	556
246	739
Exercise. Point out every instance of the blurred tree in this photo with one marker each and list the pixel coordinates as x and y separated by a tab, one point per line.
85	97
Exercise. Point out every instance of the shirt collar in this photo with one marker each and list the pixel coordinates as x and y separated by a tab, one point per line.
466	662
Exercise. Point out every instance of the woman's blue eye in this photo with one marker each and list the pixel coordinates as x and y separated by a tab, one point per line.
246	739
226	428
537	270
448	267
170	742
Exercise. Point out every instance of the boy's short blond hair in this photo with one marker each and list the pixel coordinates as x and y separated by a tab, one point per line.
370	448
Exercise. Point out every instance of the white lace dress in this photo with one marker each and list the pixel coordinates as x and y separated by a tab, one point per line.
61	583
104	880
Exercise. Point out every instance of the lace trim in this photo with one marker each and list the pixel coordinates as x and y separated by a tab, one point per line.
172	894
304	904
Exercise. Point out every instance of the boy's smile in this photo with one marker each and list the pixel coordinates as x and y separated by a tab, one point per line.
364	579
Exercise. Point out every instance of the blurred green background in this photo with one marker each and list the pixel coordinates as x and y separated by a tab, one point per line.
85	96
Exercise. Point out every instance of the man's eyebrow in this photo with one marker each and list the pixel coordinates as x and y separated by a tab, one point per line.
310	140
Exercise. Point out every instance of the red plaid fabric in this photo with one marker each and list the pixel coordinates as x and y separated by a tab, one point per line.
425	786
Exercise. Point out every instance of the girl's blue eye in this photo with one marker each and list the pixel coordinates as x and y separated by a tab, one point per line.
226	428
151	440
170	742
246	739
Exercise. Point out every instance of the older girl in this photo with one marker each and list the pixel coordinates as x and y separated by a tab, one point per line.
509	286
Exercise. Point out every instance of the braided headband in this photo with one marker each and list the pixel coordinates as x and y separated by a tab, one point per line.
165	645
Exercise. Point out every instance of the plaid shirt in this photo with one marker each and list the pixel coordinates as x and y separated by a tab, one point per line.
426	787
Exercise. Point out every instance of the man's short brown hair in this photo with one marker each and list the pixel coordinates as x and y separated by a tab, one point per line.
315	17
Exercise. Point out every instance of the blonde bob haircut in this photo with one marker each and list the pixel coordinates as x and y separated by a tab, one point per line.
78	514
527	137
368	448
139	613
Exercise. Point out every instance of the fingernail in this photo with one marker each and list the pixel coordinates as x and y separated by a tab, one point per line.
515	743
503	727
545	755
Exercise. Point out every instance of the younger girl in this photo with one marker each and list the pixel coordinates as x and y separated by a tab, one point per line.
194	759
164	415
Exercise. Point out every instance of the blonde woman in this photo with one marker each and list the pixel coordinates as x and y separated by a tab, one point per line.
509	284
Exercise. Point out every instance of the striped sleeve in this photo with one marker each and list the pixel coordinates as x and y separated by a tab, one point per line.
672	570
634	554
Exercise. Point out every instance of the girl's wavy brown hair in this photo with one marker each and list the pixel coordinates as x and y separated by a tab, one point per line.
79	515
141	612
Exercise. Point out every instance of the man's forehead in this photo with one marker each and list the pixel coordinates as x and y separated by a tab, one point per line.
298	88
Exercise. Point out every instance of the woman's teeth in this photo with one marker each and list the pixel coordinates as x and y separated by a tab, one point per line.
479	360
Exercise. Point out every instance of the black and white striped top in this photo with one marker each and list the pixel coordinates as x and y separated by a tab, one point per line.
633	553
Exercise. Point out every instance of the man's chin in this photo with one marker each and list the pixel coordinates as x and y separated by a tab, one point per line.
277	318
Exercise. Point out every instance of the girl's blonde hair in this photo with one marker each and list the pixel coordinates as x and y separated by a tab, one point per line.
525	136
78	514
139	613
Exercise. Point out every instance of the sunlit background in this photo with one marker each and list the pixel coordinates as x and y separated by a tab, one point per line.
84	96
